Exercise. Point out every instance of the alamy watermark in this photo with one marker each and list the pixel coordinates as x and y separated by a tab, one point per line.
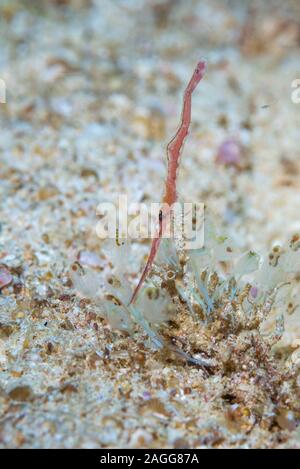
2	91
181	221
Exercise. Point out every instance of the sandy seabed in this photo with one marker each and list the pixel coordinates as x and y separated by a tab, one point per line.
93	94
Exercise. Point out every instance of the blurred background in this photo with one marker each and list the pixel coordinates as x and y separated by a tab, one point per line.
94	92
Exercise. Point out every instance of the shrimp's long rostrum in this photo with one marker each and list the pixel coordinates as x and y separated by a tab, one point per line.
173	151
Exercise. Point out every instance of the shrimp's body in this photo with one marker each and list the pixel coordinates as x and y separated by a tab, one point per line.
174	149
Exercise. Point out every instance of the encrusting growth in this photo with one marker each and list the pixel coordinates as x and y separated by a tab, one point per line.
173	151
207	305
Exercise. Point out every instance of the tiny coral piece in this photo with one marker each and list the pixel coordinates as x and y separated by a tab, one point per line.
229	153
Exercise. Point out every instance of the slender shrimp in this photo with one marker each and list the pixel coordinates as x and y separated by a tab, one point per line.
174	149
